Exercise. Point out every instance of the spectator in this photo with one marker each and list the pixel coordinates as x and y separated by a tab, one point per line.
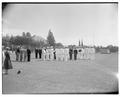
7	61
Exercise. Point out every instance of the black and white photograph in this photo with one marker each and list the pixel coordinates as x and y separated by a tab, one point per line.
59	48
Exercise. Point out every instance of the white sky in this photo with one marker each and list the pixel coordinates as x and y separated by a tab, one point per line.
94	23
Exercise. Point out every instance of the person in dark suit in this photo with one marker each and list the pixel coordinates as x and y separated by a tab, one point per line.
70	53
36	53
28	54
75	54
40	53
54	52
17	52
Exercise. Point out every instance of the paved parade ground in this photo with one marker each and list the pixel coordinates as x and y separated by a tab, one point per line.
81	76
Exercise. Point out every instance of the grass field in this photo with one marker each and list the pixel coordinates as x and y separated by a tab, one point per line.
81	76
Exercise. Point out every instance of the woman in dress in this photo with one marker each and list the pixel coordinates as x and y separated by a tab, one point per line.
7	61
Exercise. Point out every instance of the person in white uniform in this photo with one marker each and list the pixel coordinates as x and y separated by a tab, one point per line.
66	54
25	54
92	53
82	53
79	53
57	54
51	54
44	54
47	54
61	54
87	53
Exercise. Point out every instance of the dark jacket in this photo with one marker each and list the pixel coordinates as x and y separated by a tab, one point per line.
28	51
70	51
75	51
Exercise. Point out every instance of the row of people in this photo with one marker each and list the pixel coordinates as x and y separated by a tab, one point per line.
86	53
38	53
23	54
65	53
55	54
62	54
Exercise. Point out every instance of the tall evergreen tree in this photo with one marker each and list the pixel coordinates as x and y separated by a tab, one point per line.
50	38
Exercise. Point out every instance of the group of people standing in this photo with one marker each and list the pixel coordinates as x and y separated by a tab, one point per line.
82	53
50	53
23	54
38	53
64	54
55	54
45	53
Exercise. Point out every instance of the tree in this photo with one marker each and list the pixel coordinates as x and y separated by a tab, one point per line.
11	40
50	38
59	45
23	34
5	40
112	48
28	34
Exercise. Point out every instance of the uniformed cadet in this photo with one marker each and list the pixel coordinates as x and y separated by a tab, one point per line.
50	51
28	55
75	54
60	54
50	54
21	54
40	53
36	53
82	53
47	54
24	54
63	54
66	54
70	53
92	53
79	53
43	54
54	52
17	52
87	53
57	54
